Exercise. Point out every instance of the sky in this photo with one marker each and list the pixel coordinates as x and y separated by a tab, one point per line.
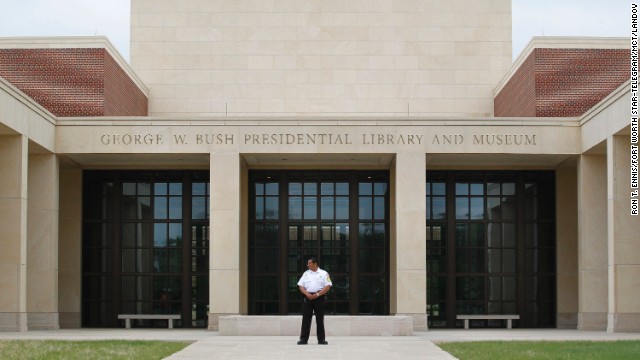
111	18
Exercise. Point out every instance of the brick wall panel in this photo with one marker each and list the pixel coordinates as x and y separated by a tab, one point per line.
567	82
72	82
122	96
518	97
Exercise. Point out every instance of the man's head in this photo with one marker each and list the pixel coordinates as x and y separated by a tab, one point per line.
312	264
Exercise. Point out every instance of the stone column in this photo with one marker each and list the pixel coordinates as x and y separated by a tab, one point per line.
70	248
567	235
623	240
224	267
592	242
244	236
42	243
409	213
14	152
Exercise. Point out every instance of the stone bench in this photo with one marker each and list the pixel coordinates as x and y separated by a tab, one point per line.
466	318
127	318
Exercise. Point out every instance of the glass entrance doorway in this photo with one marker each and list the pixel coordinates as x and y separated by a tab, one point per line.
491	247
145	247
340	217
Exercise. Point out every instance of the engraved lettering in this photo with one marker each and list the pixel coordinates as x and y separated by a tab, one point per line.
504	139
179	139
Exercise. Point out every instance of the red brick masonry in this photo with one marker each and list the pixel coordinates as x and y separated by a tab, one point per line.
562	82
73	82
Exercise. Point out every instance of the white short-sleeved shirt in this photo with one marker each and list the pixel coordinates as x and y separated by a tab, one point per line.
314	281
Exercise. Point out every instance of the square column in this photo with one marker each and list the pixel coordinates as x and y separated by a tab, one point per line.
224	258
409	250
592	242
70	248
567	243
623	240
42	243
13	232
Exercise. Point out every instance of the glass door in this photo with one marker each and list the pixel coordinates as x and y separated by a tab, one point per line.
339	217
146	242
490	246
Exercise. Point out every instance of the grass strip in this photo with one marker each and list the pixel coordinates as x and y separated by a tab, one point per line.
88	350
565	350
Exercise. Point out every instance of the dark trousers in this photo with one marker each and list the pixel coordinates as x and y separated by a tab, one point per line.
309	307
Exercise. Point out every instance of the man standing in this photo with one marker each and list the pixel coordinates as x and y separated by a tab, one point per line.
313	284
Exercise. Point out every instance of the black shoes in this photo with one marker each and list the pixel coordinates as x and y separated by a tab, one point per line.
323	342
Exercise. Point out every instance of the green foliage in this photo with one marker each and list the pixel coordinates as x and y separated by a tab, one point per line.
87	350
546	350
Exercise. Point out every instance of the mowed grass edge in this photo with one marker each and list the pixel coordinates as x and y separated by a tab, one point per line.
565	350
88	350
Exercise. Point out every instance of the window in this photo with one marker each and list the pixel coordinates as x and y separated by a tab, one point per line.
490	246
145	247
340	217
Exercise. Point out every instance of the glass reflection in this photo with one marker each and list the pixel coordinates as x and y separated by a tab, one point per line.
160	207
438	188
295	188
310	188
462	189
462	208
342	207
198	208
342	188
439	206
365	208
175	234
477	208
295	208
175	189
310	207
259	208
271	207
198	189
379	189
160	235
271	189
326	206
175	207
365	189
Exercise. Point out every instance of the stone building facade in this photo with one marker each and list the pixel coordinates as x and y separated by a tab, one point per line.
394	140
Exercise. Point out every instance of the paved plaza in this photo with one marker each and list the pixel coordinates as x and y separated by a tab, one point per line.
209	345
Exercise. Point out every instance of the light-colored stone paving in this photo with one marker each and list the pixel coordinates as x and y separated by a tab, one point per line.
285	348
210	345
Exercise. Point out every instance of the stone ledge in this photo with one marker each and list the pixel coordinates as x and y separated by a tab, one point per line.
244	325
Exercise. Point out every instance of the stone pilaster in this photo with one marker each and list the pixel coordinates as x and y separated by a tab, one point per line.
42	242
14	157
70	248
224	267
592	242
409	238
567	243
623	240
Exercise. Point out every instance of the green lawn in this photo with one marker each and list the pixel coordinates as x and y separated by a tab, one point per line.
86	350
582	350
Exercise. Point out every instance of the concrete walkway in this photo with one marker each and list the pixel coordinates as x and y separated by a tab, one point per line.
209	345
